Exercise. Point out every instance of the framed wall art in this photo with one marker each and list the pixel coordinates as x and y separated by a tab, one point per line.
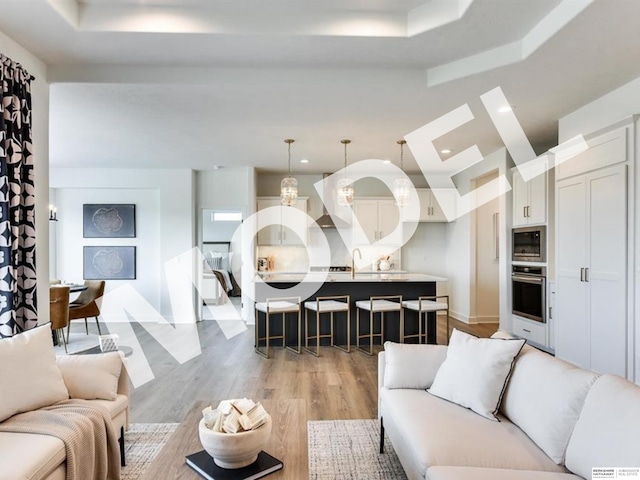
108	220
109	263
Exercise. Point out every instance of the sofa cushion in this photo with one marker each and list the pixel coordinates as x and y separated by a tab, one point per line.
29	456
544	398
412	366
471	473
30	377
429	431
475	372
607	433
91	376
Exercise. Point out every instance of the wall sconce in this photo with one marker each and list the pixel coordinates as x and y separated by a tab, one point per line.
53	213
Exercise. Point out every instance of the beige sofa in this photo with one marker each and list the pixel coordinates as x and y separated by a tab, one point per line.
557	421
30	456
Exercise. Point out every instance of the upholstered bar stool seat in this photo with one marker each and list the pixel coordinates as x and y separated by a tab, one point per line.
273	306
381	305
331	305
424	305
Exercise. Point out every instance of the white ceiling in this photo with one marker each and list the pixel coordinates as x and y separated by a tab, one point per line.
188	83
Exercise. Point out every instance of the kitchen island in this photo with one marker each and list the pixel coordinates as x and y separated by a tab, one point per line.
362	286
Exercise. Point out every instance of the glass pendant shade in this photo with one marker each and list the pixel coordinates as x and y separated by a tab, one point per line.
402	191
288	191
346	192
289	185
402	186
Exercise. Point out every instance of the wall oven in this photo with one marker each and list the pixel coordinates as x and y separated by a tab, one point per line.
529	244
528	292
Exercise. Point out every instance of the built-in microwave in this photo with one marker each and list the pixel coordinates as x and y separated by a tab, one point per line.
529	244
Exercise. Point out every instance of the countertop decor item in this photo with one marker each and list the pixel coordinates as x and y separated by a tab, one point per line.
235	432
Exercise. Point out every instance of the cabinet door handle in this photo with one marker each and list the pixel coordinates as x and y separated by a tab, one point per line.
586	274
582	274
528	331
550	313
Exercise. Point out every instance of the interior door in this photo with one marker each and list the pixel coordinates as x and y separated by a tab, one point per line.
571	292
607	274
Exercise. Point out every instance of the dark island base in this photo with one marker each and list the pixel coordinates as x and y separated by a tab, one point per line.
358	291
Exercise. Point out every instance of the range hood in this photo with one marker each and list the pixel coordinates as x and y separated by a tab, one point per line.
326	221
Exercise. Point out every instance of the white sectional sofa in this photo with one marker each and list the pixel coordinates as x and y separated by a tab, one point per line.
556	420
100	379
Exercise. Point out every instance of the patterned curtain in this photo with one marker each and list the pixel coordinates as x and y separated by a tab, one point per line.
17	224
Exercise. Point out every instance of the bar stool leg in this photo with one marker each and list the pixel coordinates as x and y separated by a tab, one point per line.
257	338
357	328
318	332
371	332
402	324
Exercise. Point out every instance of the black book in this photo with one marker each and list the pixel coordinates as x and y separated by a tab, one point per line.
202	463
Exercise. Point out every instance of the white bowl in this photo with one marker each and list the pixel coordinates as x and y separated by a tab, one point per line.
234	450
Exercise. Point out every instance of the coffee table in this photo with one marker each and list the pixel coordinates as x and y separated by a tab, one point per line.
288	442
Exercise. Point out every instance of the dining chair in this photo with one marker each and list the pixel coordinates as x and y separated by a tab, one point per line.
59	311
86	305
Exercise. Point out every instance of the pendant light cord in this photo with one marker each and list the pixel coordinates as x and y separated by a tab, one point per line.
289	149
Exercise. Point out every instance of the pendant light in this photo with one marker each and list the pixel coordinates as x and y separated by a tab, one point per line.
402	185
289	185
346	192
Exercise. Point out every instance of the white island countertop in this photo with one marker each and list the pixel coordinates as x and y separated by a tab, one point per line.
345	277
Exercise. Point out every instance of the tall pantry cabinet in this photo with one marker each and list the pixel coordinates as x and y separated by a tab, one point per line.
594	254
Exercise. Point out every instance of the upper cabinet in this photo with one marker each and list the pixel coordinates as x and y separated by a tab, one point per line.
377	217
529	200
430	210
279	234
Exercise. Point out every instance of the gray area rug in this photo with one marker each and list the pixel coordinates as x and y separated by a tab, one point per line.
143	442
348	449
78	342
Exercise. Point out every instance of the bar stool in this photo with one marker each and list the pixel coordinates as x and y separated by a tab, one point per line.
378	304
424	305
282	305
332	304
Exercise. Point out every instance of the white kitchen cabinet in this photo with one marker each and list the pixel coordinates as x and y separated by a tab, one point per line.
591	270
534	332
278	234
430	210
529	200
377	217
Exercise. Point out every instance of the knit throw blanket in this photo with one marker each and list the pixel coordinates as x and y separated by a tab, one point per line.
87	431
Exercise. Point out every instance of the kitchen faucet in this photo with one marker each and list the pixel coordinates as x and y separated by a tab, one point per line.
353	261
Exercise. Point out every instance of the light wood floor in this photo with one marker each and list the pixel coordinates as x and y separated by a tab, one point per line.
336	385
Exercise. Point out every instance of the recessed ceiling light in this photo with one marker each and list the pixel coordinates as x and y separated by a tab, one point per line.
218	167
304	160
446	150
506	108
386	161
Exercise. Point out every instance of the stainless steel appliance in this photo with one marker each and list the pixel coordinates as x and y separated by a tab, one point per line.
528	292
529	244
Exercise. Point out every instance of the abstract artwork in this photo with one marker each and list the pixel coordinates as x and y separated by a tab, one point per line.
109	220
109	263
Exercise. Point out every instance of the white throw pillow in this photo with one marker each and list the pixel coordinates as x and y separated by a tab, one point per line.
412	366
475	372
91	377
30	377
544	398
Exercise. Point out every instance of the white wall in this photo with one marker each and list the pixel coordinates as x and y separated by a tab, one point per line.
602	112
71	242
229	189
461	247
487	281
164	214
40	133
